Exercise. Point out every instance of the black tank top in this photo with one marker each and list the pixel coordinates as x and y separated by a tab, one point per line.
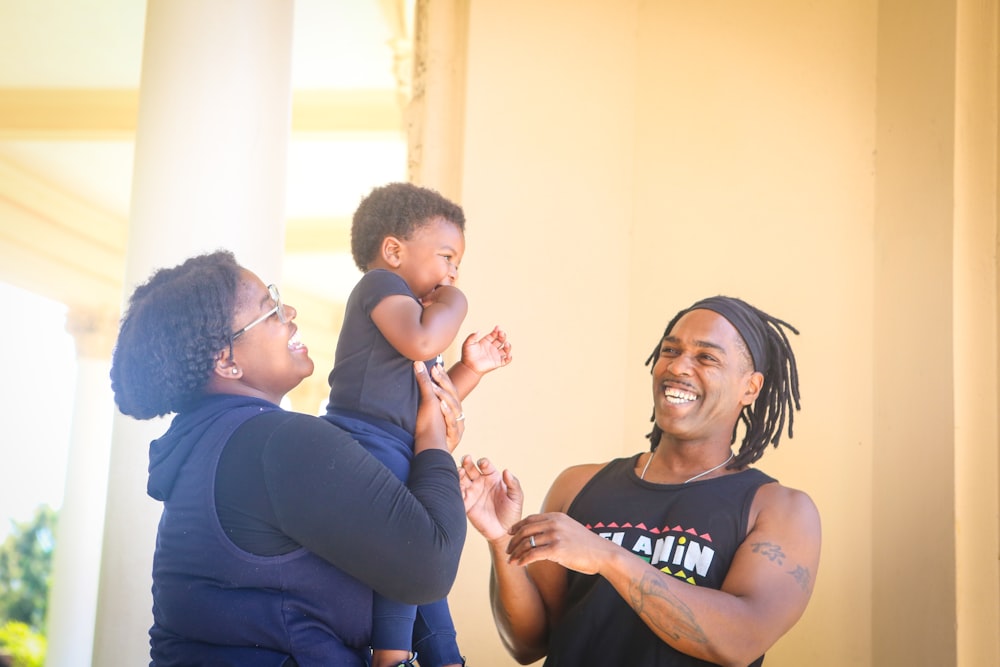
690	531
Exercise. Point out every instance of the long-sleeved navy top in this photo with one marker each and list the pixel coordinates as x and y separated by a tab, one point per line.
287	480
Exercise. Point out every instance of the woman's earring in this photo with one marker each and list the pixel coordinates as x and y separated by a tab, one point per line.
235	370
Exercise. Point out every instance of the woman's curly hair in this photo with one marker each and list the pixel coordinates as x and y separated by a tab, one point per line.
396	209
171	333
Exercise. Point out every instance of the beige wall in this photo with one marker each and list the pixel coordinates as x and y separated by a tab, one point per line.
622	160
935	500
547	198
913	289
975	330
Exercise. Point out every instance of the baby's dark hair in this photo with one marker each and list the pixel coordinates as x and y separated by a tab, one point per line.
768	350
396	209
171	333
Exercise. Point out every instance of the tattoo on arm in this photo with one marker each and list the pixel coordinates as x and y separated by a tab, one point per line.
774	554
801	576
770	551
664	612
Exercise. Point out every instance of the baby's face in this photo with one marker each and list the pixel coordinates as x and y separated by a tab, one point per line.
431	256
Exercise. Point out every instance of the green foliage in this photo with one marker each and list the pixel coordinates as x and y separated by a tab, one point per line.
25	648
26	569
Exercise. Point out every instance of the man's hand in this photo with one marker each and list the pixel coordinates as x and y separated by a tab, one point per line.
493	500
555	537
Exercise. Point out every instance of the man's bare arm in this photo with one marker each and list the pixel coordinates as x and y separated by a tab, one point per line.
765	592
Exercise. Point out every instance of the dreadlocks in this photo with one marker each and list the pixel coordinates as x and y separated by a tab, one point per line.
770	353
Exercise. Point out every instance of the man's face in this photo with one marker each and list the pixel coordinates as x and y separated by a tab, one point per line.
702	379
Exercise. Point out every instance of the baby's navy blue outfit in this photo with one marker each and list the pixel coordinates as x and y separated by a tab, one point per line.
374	396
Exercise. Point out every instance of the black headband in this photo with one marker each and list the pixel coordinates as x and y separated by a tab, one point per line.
746	321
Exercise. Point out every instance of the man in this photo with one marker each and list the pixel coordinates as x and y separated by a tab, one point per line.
680	556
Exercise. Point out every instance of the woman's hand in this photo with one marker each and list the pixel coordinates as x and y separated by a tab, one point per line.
440	421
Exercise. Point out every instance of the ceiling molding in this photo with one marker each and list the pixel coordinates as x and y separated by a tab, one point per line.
83	114
111	114
350	111
312	235
57	245
72	251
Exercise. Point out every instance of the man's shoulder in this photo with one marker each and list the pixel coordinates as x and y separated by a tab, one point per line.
580	473
776	492
569	483
775	502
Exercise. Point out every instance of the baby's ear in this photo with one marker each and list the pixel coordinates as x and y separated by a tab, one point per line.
391	251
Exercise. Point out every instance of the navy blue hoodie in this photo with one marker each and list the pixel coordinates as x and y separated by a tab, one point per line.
214	603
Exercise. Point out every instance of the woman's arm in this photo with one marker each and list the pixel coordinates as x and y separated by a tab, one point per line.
332	497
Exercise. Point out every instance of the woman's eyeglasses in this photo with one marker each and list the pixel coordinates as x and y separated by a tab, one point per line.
279	308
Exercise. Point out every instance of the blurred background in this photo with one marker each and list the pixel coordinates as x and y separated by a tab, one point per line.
69	81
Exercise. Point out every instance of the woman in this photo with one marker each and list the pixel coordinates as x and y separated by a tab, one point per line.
276	526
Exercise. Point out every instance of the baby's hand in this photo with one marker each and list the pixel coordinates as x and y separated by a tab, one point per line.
482	355
446	294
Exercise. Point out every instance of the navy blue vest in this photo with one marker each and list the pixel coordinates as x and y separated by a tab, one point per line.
215	604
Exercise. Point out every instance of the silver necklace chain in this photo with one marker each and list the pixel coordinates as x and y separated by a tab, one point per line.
698	476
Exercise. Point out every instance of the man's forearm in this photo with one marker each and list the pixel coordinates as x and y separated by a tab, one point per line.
518	609
704	623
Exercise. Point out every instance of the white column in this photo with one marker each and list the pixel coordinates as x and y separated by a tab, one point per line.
77	557
211	142
435	117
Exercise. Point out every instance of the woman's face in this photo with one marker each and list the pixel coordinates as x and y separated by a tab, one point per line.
268	359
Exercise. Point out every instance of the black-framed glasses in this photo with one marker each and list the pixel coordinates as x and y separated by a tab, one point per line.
279	308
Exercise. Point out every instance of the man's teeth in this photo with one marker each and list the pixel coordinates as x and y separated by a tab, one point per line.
293	342
678	396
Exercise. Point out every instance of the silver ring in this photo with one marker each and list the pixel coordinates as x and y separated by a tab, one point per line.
531	540
461	417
